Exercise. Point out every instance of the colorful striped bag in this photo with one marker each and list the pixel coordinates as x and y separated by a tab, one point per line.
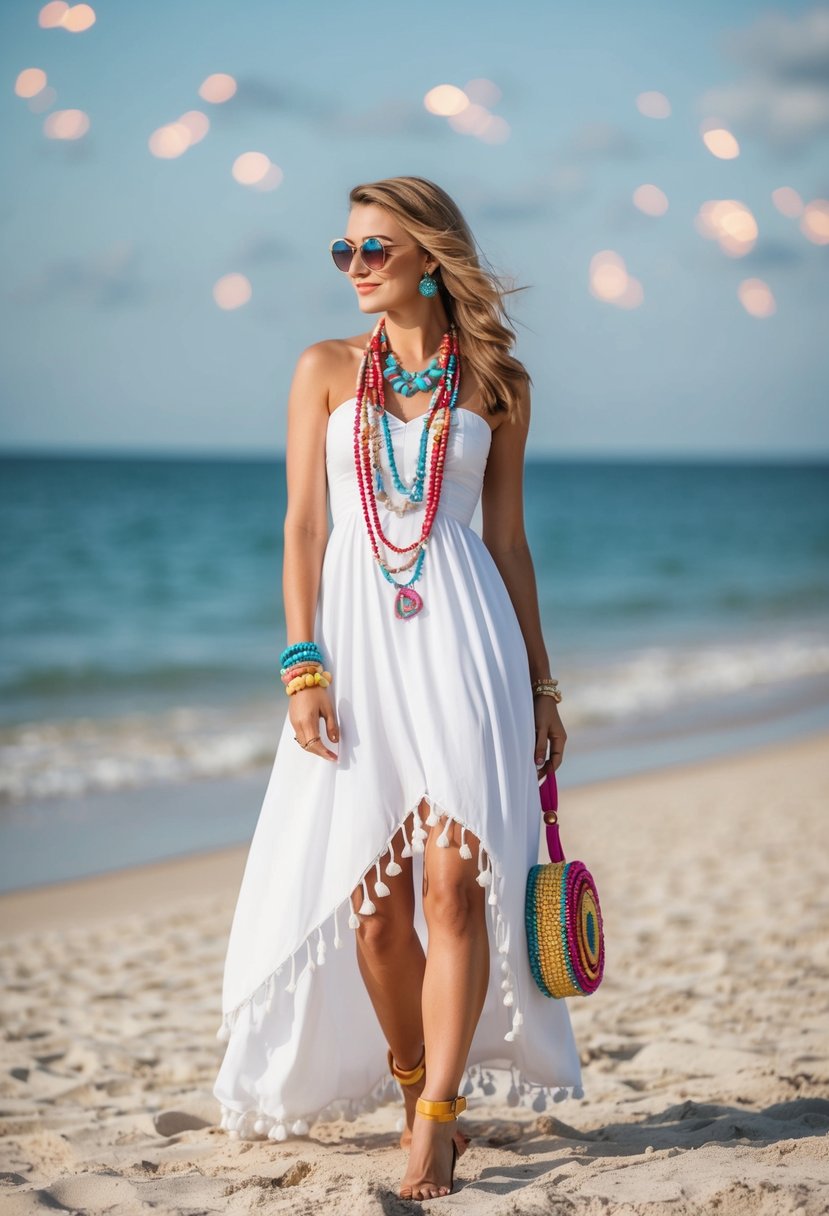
564	921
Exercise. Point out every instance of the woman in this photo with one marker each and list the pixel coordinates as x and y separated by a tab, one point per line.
439	701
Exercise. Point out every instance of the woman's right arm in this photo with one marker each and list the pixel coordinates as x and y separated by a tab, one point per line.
306	529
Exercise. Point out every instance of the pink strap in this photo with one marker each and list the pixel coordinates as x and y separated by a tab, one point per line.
549	803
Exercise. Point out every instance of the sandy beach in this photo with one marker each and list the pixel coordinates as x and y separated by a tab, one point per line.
705	1051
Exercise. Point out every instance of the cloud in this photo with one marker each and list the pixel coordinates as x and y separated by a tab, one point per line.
105	280
594	141
784	96
261	249
393	117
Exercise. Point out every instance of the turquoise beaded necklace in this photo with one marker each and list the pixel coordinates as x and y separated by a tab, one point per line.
409	383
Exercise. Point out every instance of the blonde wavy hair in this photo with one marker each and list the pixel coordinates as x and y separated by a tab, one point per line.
472	294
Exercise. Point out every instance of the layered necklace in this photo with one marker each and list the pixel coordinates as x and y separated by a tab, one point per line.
371	428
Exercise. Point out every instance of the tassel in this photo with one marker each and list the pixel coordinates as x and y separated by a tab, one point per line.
271	994
465	851
393	869
261	1126
291	985
484	878
578	1092
509	999
353	920
406	851
432	819
320	949
443	839
380	888
310	964
300	1128
540	1101
560	1095
338	941
368	907
278	1132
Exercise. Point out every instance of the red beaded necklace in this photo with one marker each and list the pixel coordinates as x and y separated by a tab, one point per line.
370	417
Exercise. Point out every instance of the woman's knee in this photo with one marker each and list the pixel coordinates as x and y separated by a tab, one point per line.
391	925
453	902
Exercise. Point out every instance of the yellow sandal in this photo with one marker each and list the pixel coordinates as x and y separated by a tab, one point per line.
443	1112
408	1076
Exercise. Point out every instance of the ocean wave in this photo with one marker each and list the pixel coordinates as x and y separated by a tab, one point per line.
41	760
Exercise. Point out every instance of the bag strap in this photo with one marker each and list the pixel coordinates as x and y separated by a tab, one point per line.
549	813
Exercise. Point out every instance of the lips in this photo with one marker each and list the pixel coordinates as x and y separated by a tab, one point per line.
365	288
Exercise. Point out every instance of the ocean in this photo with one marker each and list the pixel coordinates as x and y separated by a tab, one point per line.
142	621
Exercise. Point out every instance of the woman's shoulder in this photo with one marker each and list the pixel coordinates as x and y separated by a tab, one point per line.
331	366
333	354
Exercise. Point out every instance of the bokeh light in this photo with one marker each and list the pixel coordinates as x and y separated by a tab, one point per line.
66	124
250	168
169	141
650	200
218	88
272	179
756	298
196	123
78	18
610	282
496	131
787	201
446	100
720	143
484	92
30	82
473	120
51	15
653	105
232	291
814	223
730	223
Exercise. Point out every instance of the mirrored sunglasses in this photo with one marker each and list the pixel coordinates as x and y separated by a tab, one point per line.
372	253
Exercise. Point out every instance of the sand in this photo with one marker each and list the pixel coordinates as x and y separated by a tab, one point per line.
705	1050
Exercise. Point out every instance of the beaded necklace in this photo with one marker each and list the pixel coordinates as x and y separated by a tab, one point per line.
370	420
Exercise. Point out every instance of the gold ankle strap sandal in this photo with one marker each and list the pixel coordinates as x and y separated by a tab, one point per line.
408	1076
443	1112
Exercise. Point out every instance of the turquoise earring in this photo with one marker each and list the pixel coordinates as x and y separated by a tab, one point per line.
427	286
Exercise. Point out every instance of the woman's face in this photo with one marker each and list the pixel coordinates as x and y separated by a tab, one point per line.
395	285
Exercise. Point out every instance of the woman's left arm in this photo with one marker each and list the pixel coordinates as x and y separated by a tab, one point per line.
502	506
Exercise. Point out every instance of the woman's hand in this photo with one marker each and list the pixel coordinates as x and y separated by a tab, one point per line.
548	725
305	710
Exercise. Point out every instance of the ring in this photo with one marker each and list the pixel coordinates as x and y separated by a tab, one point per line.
310	741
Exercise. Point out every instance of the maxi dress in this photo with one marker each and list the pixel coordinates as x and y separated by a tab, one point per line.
437	706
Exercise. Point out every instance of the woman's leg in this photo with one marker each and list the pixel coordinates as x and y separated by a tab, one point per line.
391	962
454	989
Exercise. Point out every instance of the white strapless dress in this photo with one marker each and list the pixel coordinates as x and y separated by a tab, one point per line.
438	707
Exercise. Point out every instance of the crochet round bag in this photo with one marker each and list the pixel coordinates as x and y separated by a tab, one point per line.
563	917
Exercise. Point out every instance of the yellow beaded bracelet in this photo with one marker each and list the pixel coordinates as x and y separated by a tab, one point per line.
319	678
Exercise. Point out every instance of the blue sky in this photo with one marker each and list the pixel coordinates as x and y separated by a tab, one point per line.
110	337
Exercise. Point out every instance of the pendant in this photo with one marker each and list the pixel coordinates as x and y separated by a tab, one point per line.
407	603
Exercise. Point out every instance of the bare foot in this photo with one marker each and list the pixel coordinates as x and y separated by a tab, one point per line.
411	1093
430	1167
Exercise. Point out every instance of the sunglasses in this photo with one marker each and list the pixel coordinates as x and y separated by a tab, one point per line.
373	252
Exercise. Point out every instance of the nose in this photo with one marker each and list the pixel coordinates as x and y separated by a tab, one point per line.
358	268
